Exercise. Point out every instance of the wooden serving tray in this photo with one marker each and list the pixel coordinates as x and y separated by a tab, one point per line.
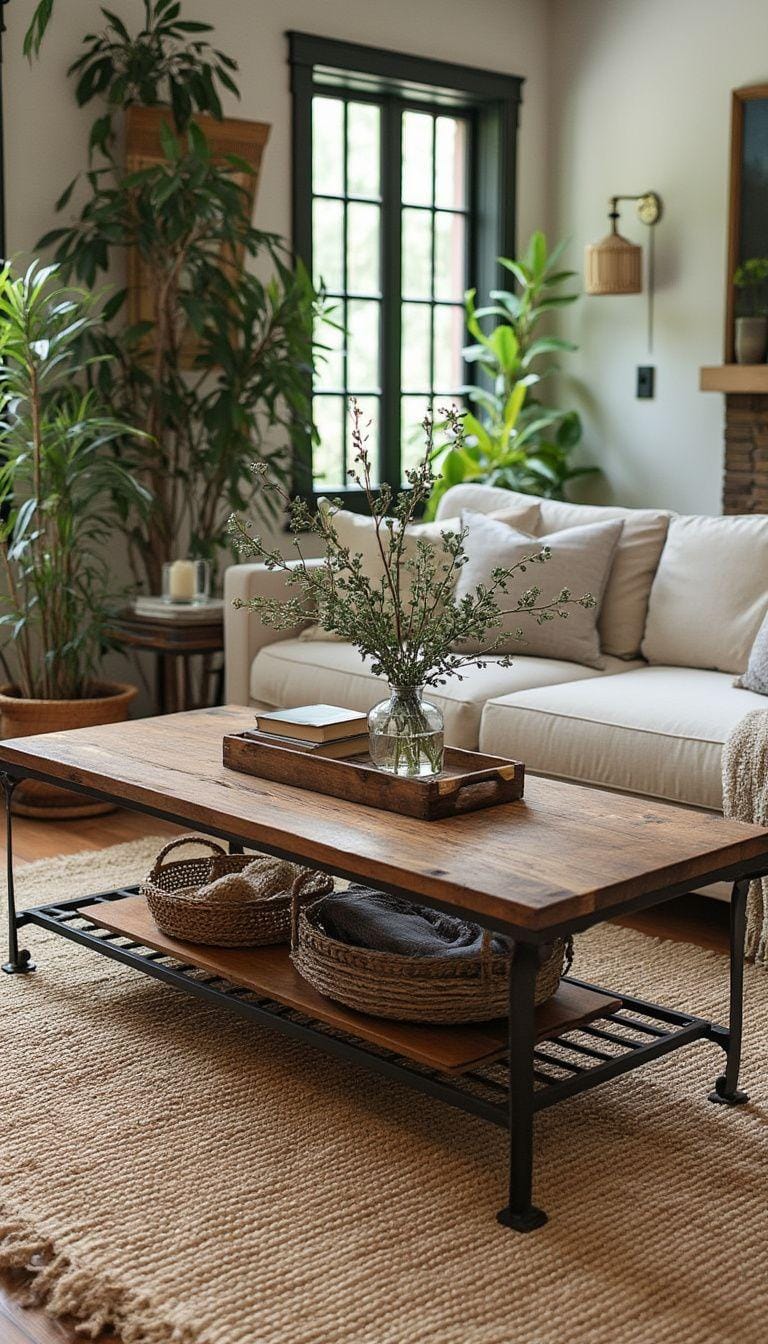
469	780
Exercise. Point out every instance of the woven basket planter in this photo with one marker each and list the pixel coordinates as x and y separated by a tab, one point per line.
178	910
413	989
108	703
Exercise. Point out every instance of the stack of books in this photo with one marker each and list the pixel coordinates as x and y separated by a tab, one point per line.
158	609
322	730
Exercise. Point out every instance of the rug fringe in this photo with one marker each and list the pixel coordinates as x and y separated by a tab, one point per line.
63	1289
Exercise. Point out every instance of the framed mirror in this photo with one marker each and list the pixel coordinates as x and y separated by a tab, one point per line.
748	201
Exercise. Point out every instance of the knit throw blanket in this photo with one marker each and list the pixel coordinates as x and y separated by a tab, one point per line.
745	798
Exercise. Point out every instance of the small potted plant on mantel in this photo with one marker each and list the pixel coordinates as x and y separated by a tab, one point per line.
751	334
61	494
404	618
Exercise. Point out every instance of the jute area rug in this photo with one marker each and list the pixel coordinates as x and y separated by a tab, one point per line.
192	1179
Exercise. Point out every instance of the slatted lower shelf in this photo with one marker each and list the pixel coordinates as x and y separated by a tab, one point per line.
628	1034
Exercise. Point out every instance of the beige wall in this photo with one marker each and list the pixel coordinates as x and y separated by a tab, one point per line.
46	132
620	96
641	100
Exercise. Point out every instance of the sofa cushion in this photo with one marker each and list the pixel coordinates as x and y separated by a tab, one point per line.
292	672
357	532
710	593
657	731
580	561
625	601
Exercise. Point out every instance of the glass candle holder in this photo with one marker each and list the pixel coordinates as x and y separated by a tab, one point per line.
186	582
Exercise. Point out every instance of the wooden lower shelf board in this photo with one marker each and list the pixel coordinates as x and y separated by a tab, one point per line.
269	972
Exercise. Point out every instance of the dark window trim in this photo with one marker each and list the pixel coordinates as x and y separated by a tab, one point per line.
491	98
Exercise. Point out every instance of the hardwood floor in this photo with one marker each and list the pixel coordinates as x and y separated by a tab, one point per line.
689	919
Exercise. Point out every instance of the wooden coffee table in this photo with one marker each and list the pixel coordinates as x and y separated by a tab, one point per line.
560	860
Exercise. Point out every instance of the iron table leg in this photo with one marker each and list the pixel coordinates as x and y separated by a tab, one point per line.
19	962
520	1213
727	1091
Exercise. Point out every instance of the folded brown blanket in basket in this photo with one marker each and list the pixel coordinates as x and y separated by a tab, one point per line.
364	917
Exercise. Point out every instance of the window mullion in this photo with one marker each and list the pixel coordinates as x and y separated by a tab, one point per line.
345	290
432	285
391	283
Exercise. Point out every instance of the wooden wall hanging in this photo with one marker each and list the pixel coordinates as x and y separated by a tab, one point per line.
143	149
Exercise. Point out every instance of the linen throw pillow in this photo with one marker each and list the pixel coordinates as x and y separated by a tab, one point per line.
625	602
581	561
756	676
710	593
356	531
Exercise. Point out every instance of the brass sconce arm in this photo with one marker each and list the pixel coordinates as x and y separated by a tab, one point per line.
649	208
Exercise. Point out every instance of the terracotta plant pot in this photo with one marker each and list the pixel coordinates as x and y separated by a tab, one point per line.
26	718
751	339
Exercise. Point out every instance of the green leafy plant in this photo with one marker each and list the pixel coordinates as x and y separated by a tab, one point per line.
510	439
751	277
405	620
187	219
61	489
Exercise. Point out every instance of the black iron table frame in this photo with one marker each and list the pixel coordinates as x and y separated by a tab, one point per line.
535	1075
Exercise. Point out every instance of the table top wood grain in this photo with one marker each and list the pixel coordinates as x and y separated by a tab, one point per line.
562	854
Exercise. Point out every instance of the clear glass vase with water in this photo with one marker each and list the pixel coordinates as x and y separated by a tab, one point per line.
407	734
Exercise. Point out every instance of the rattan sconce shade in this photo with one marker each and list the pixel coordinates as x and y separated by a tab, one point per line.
613	266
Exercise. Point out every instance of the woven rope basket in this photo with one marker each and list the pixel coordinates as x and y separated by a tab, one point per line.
172	896
412	989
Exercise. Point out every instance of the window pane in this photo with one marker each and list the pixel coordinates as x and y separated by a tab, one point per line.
450	269
412	437
328	243
417	158
449	338
450	162
329	366
363	248
363	345
370	426
363	121
416	348
417	254
328	455
328	145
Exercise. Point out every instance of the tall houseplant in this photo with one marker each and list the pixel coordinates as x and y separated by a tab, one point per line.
510	438
61	493
188	220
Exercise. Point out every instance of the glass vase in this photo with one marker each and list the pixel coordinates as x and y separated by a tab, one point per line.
406	734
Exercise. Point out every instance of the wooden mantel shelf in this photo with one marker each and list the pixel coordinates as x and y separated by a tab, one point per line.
734	378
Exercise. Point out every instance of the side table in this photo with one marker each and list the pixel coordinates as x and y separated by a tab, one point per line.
176	643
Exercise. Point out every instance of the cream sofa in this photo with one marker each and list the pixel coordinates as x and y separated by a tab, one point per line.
684	601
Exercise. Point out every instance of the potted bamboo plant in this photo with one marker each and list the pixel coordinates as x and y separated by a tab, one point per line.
61	493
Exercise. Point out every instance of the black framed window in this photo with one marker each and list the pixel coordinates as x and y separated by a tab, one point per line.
403	198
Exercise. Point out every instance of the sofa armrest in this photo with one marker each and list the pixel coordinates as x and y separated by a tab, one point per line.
244	632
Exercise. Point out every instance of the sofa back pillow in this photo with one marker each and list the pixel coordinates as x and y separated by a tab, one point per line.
625	601
580	561
710	593
357	532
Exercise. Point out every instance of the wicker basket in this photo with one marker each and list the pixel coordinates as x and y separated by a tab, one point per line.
172	896
412	989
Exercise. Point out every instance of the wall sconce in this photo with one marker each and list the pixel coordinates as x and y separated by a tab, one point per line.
615	265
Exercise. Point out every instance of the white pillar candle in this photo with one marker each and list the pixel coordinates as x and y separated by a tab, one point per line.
181	581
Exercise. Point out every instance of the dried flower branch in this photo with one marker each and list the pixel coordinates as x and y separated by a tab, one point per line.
405	619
